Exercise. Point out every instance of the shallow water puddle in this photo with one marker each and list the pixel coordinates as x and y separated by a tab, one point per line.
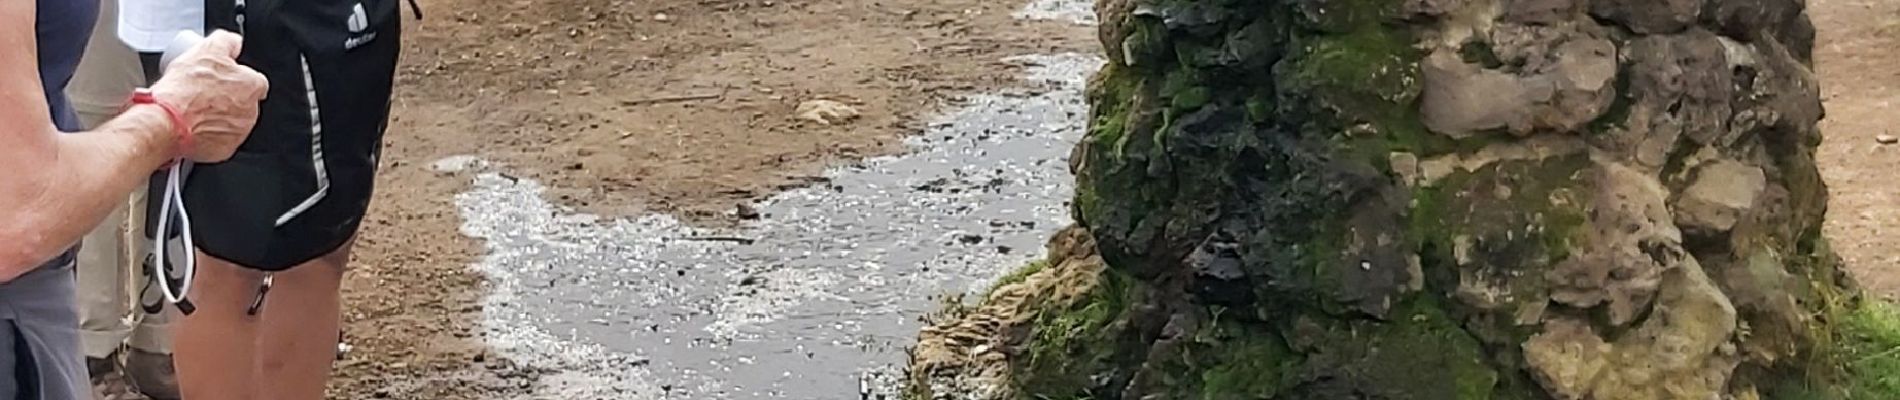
817	298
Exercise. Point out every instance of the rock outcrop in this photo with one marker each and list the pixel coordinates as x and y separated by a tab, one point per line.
1432	199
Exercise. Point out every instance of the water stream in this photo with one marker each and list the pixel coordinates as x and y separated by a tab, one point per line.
818	297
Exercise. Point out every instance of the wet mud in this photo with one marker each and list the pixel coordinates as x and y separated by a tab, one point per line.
815	296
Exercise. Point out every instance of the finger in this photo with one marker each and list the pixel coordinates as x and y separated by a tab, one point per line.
224	43
259	84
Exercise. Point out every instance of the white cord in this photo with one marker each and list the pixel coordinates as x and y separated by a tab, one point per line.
174	199
174	202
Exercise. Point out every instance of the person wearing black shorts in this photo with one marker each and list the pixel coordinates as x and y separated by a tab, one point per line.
267	296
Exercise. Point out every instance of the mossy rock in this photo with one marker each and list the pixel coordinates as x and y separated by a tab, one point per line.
1277	222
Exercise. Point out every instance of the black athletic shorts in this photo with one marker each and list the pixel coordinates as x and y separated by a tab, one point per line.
298	188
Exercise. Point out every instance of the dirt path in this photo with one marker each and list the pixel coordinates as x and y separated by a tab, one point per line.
1858	60
673	106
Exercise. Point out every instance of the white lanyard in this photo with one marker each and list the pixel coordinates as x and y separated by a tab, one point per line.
172	203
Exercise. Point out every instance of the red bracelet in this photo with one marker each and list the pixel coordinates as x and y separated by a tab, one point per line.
144	96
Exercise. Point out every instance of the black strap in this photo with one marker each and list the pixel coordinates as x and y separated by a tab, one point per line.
415	9
160	277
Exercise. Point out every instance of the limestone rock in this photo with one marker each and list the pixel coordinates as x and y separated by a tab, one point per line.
1682	351
1567	358
1564	83
1631	241
1721	192
826	112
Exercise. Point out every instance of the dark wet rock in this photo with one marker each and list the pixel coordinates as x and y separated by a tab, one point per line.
746	211
933	186
1218	275
1649	16
1679	87
1541	12
1781	21
1777	95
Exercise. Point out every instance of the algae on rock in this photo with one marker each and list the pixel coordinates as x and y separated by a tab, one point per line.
1436	199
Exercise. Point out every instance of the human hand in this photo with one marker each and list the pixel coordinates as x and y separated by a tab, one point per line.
217	97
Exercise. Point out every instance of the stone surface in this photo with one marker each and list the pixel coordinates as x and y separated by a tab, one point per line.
1608	199
1628	245
1721	192
1680	352
1562	79
826	112
1541	12
1649	16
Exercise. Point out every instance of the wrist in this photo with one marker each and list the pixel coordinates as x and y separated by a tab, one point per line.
180	128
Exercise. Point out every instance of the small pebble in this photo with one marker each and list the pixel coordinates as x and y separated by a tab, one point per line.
1886	139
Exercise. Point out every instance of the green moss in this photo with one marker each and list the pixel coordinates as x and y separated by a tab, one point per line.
1517	218
1428	350
1420	353
1507	196
1247	364
1112	93
1071	344
1189	99
1366	74
1260	108
1222	359
1147	46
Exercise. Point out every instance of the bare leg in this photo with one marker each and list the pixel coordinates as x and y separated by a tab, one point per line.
301	319
217	346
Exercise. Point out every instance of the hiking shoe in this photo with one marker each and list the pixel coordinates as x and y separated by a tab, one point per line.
152	374
98	368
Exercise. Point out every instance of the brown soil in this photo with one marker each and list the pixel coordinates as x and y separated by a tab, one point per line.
624	107
1859	67
581	94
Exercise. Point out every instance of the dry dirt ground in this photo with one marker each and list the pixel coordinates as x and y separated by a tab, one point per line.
685	106
1858	59
622	107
